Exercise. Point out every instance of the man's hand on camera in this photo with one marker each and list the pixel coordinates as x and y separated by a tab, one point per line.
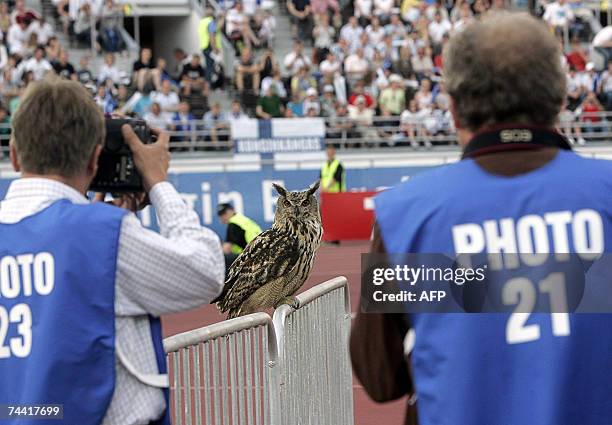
152	161
130	201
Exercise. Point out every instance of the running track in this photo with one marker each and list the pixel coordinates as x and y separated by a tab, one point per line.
331	261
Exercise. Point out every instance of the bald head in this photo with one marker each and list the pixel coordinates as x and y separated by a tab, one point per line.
504	69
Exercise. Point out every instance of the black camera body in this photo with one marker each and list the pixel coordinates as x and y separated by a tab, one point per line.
116	170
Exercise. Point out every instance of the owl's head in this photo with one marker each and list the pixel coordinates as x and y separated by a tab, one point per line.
297	206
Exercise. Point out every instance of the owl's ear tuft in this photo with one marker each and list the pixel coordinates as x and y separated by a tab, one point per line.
313	188
281	190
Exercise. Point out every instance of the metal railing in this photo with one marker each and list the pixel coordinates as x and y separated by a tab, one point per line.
223	371
346	133
251	370
316	377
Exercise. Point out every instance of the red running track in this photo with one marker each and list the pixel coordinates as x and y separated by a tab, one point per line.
331	261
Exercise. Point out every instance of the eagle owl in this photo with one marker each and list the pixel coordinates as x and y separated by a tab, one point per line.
276	263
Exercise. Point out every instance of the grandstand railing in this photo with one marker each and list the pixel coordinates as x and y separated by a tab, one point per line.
384	132
316	377
225	370
290	370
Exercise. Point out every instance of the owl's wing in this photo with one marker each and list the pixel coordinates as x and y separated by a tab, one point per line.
269	256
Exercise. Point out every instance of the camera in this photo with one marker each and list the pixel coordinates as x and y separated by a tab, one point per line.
116	170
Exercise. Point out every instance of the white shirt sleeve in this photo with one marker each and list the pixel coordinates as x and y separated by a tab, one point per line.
181	268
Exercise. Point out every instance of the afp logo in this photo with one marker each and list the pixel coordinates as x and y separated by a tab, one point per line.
516	135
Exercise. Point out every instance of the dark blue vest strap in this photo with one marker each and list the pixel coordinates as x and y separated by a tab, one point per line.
160	356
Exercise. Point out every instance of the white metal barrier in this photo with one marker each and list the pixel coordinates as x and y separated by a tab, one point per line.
290	370
316	378
223	374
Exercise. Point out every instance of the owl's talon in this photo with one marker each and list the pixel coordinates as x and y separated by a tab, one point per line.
290	301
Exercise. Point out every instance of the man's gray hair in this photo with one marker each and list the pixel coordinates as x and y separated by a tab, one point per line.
56	128
504	69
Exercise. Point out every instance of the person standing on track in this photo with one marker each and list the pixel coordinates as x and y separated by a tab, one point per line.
518	189
241	230
332	173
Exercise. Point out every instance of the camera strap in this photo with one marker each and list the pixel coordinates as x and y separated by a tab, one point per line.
514	137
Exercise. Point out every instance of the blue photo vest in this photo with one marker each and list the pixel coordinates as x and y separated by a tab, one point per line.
57	277
479	369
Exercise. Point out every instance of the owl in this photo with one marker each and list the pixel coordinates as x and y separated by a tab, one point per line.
277	262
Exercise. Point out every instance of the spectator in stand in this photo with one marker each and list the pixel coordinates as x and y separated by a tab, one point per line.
376	32
295	107
395	29
301	82
351	32
411	124
324	7
422	63
328	102
155	118
559	15
82	24
323	34
576	89
330	67
142	71
63	67
268	64
577	57
424	96
5	18
277	82
109	70
605	86
182	121
53	49
167	99
235	114
602	43
111	20
180	60
392	99
363	11
356	66
160	73
238	30
465	15
17	37
84	74
384	9
363	117
590	115
438	28
42	29
21	11
217	124
311	102
197	100
37	64
269	105
359	91
265	25
247	72
300	18
340	125
193	76
209	32
296	59
104	100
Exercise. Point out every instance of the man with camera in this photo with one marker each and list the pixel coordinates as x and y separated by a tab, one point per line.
82	284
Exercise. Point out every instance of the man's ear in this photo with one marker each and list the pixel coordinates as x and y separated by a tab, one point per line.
281	190
13	155
314	188
92	164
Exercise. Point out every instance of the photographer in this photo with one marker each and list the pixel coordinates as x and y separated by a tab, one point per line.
83	284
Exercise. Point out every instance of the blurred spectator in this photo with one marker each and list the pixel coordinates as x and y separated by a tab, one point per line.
17	37
323	34
268	64
265	26
363	11
111	19
301	82
193	74
167	99
37	64
383	9
104	99
209	32
269	105
82	24
296	59
180	60
395	28
410	123
42	29
197	100
559	15
351	33
356	66
328	101
393	99
277	82
359	91
109	70
422	63
364	118
217	124
142	71
295	106
237	28
155	118
577	57
439	28
5	18
330	67
160	73
247	72
311	102
602	43
340	125
21	11
300	18
182	121
236	113
63	67
590	115
84	74
376	32
424	96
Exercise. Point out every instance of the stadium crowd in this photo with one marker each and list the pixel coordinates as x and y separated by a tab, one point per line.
371	68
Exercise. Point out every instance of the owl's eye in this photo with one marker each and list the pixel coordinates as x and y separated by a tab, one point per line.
286	203
305	202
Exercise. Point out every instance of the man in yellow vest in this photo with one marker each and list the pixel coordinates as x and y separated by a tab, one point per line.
332	173
240	231
209	33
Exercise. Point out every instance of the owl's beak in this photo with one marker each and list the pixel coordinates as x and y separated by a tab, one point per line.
296	210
